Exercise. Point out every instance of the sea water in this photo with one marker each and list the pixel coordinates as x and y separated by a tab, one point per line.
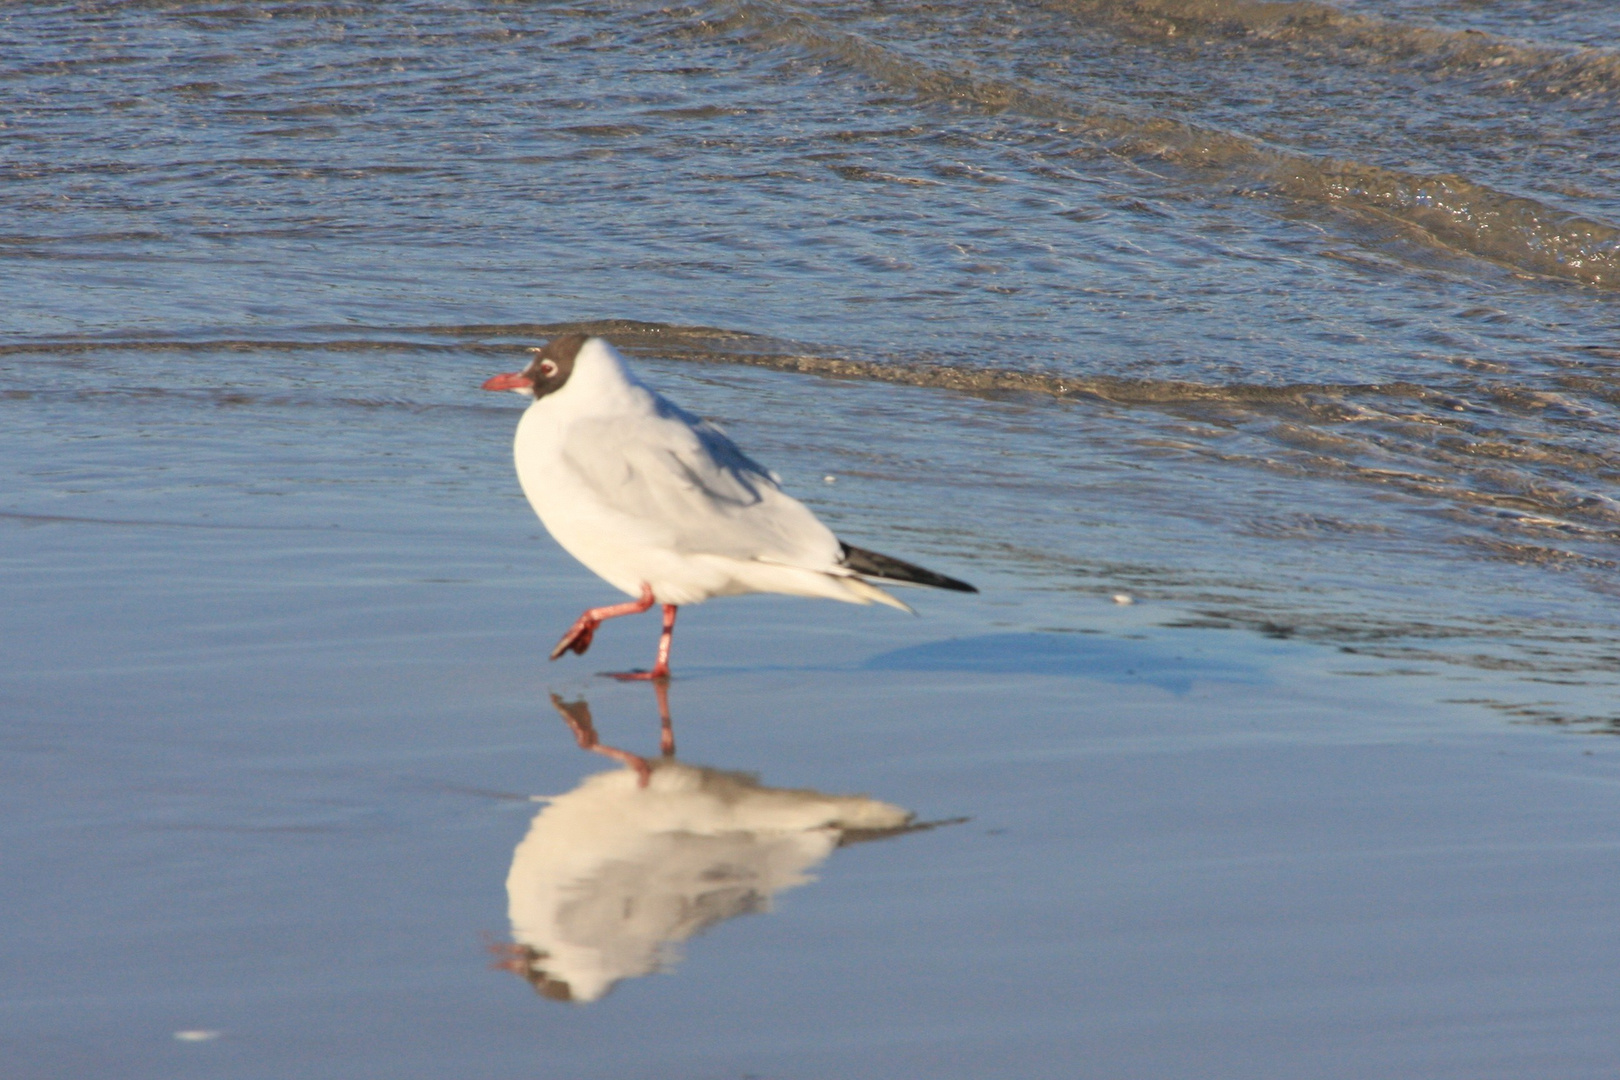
1292	324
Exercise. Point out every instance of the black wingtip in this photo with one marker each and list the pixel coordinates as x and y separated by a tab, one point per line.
871	564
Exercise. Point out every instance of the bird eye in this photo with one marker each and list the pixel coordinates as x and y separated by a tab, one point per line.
547	368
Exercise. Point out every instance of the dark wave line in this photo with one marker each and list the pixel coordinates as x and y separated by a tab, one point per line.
1515	65
69	519
81	346
715	345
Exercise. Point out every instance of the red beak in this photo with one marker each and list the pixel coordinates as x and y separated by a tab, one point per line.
512	380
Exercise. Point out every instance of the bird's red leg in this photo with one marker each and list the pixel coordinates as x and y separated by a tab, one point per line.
578	638
578	716
660	671
666	727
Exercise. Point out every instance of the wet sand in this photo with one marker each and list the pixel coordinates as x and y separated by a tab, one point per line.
269	783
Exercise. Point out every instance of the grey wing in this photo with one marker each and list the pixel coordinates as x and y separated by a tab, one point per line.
726	455
678	481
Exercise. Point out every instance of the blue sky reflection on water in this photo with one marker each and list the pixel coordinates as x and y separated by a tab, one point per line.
1170	665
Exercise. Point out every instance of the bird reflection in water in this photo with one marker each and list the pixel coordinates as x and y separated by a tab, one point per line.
615	874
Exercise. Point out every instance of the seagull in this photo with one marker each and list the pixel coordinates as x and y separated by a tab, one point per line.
666	508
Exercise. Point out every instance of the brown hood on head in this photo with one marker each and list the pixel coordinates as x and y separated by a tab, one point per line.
553	363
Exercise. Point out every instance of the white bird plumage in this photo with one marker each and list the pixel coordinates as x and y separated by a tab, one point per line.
641	491
662	505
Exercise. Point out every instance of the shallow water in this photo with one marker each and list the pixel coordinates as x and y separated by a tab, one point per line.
1293	323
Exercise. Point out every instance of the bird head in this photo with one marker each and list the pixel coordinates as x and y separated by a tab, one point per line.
547	372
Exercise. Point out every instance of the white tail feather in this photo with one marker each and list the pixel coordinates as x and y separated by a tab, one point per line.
871	594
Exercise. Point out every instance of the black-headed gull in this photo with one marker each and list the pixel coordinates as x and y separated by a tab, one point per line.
663	505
